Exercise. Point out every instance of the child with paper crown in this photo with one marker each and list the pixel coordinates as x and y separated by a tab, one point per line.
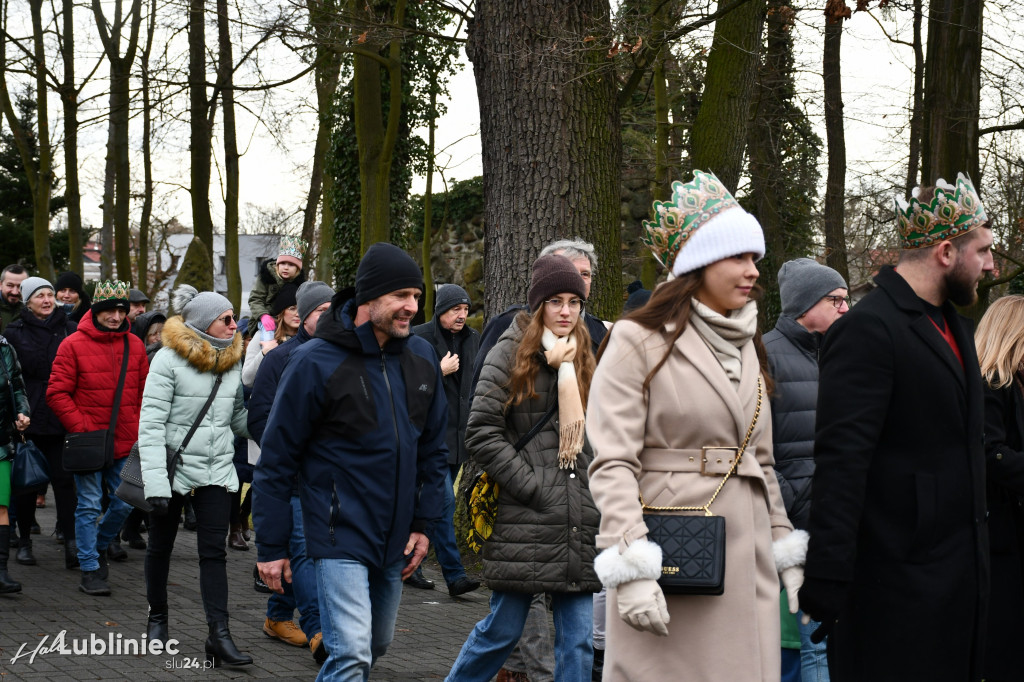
274	275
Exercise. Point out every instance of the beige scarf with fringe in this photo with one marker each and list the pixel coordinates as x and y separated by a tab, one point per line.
560	352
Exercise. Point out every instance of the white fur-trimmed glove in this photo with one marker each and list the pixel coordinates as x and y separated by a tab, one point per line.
642	605
790	553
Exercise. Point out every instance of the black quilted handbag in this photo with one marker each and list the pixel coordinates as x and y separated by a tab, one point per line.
693	547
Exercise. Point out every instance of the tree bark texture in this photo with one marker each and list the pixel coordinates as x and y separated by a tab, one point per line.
147	157
917	115
835	183
952	90
377	132
225	79
551	148
202	221
720	131
69	100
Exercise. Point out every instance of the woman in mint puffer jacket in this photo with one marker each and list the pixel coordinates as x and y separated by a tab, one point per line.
200	347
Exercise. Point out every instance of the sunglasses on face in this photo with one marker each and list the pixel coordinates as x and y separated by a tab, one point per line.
227	320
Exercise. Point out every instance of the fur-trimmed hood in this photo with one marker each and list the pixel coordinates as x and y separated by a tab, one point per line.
198	351
268	273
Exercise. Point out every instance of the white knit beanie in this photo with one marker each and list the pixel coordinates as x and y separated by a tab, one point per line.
730	233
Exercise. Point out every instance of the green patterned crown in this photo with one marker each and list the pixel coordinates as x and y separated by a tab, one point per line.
292	246
111	289
954	211
693	204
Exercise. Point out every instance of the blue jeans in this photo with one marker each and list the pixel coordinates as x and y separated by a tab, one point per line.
301	591
358	606
493	638
442	535
813	658
92	539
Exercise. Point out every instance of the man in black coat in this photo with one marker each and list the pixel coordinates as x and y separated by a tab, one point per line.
456	345
897	564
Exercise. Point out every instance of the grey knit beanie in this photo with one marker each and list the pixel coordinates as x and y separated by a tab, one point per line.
449	296
553	275
199	310
803	282
33	284
312	295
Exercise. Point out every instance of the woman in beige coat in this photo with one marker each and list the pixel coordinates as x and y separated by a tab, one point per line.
679	374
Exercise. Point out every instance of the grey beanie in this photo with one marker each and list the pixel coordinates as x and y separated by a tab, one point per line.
199	310
312	295
803	282
33	284
449	296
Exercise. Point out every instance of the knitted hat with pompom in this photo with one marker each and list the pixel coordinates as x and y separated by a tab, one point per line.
199	310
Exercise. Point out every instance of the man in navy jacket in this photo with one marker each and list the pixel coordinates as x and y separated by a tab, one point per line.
362	421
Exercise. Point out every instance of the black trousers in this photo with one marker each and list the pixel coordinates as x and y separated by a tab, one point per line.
63	483
212	505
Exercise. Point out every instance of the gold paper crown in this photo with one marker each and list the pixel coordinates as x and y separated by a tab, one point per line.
954	211
693	204
111	289
292	246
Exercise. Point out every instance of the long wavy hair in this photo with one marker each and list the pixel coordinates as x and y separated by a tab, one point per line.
529	358
672	302
1000	341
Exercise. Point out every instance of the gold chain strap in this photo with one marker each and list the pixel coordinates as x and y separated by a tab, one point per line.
706	508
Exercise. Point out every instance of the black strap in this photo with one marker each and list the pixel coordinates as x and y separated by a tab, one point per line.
120	387
522	442
199	419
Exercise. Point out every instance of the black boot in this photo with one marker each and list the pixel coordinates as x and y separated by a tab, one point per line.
70	554
221	650
25	556
156	627
7	583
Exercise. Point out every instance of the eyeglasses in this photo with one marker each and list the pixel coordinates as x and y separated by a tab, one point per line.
555	305
838	301
227	320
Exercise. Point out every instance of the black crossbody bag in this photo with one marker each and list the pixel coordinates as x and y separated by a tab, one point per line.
86	453
131	489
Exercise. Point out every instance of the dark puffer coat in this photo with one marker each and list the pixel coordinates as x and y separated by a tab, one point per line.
793	359
36	342
10	383
543	539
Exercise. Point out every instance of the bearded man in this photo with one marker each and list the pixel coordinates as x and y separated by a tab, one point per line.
897	564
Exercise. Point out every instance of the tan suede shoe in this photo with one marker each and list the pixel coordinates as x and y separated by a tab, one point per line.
285	630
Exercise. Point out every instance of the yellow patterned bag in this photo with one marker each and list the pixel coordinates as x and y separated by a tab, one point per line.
483	511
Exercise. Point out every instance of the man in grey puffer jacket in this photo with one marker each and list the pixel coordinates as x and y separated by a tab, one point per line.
813	297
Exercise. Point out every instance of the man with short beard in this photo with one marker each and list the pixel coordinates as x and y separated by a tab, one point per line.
10	293
361	419
898	559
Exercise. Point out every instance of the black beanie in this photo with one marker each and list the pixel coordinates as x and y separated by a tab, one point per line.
553	275
449	296
383	269
285	298
69	280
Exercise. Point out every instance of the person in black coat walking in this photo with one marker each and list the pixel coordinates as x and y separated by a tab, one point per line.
897	566
1000	340
35	335
456	345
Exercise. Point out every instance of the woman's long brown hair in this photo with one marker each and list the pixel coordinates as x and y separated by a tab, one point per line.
672	302
522	378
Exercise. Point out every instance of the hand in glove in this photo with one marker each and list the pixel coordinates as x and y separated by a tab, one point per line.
823	600
268	323
642	605
793	580
159	505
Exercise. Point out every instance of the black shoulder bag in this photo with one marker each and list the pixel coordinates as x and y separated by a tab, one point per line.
85	453
30	468
131	489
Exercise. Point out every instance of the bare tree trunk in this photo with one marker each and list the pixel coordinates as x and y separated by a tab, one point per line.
376	137
38	171
202	221
107	227
428	207
917	115
549	125
69	100
225	81
147	159
720	131
835	183
952	90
